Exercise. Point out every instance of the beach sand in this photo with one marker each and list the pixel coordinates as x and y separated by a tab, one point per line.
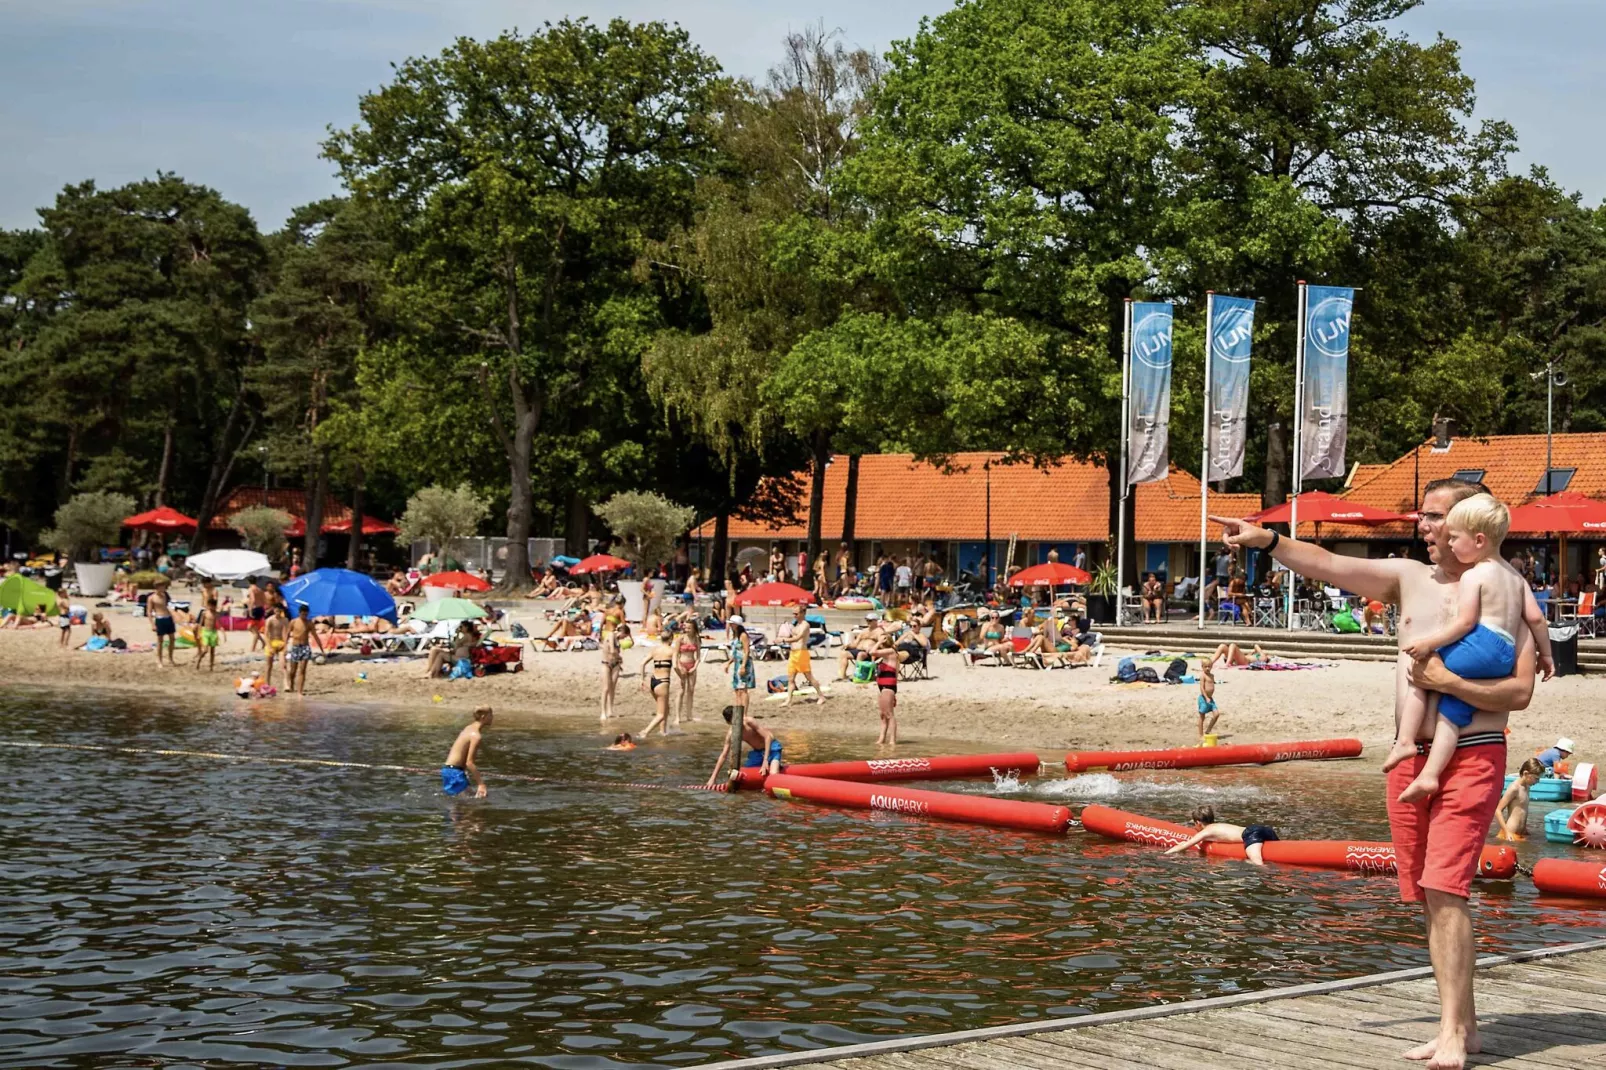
986	707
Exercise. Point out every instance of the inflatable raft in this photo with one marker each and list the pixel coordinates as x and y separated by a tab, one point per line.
1360	856
942	767
1081	761
970	809
1561	876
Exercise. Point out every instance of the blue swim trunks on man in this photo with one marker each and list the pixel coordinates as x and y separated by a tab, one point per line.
1484	653
454	781
754	759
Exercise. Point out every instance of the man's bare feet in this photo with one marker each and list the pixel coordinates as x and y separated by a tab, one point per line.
1398	753
1419	789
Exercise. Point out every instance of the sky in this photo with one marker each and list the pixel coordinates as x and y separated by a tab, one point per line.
238	94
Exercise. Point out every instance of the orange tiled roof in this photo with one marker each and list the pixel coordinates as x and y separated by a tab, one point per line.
293	502
1360	473
903	499
1512	467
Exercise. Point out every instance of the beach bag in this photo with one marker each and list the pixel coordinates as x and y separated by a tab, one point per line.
863	672
1147	675
518	631
1127	671
1344	621
1175	671
776	685
119	644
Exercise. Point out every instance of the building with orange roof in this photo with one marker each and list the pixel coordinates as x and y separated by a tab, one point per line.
910	508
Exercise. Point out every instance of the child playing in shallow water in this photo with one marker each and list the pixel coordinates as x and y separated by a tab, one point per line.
1213	831
1479	644
1512	813
460	759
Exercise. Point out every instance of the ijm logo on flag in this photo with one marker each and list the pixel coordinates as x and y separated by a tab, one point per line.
1329	327
1151	339
1234	330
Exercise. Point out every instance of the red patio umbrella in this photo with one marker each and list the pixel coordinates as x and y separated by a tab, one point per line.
1049	574
1565	513
599	563
459	581
370	526
162	518
774	594
1323	508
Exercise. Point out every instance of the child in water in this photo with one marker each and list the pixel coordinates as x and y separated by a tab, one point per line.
460	759
1213	831
622	742
1512	813
1479	644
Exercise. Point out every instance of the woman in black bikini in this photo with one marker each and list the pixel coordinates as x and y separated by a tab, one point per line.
886	684
662	661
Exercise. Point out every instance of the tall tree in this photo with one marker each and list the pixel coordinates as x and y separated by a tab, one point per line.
521	177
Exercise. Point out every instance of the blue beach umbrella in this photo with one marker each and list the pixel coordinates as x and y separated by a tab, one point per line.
339	592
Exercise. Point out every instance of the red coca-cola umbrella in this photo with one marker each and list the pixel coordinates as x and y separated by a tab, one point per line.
1565	513
599	563
774	594
457	581
1319	507
1049	574
370	526
162	518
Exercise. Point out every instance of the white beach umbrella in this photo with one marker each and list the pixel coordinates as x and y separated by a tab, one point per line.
230	564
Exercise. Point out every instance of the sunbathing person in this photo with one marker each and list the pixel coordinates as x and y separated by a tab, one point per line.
1234	655
993	642
568	633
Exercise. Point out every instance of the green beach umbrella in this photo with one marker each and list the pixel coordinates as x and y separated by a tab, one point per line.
450	609
22	595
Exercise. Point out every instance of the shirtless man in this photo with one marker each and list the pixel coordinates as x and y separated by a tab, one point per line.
299	655
1437	840
162	622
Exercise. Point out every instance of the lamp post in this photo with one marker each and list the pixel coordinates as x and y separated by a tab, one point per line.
987	582
262	452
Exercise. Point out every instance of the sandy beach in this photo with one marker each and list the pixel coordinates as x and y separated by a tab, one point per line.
985	706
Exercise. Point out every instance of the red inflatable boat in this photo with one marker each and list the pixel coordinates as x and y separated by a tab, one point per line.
943	767
1080	761
1561	876
971	809
1361	856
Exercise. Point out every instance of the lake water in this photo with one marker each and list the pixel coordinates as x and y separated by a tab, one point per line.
173	910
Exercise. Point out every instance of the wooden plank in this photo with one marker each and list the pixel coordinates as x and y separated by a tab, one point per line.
1118	1041
1497	1002
1223	1036
1032	1051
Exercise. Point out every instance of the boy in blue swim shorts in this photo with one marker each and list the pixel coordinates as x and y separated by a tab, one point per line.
766	752
460	759
1493	602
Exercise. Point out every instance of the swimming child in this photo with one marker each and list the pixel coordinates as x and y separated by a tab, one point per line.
622	742
1479	644
206	645
1512	812
1207	698
460	759
1213	831
765	755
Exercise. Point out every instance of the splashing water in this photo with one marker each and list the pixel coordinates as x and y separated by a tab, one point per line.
1108	786
1007	782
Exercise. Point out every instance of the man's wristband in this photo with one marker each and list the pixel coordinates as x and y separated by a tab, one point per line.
1271	546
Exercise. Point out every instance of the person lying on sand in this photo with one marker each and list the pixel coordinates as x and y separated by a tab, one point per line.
1234	655
1213	831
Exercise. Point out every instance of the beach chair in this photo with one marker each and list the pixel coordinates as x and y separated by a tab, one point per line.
1582	615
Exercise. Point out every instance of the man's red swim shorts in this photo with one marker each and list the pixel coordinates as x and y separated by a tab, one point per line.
1437	841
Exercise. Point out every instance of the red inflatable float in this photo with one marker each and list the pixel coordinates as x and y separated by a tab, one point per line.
1560	876
1361	856
1080	761
1588	825
971	809
942	767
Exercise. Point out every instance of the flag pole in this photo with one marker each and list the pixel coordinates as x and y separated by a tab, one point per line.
1126	425
1299	438
1204	468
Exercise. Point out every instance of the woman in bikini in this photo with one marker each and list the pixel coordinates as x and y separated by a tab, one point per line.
688	654
612	663
886	686
661	660
993	642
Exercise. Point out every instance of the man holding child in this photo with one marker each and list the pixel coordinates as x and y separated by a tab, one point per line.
1437	839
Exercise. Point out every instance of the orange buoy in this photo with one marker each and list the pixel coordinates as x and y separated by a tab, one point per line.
1080	761
971	809
942	767
1563	876
1360	856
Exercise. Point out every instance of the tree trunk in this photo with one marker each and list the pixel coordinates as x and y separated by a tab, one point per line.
314	512
822	457
521	502
66	469
719	559
577	526
1275	490
850	504
354	543
165	472
222	465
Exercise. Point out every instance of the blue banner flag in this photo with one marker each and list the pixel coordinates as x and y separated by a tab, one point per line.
1232	332
1325	406
1148	455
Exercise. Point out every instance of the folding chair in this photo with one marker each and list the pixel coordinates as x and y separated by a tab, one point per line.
1583	614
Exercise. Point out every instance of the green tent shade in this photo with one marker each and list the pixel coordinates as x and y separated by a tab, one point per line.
23	595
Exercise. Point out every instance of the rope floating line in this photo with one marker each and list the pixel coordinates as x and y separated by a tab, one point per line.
169	752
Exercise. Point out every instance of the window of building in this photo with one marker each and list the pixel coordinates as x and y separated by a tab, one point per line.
1558	480
1469	475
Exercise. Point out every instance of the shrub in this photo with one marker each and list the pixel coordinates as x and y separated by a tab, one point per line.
649	523
442	514
263	529
87	522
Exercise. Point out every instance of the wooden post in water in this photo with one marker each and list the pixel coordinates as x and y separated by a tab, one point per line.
736	746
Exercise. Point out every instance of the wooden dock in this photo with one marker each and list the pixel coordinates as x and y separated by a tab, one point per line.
1537	1010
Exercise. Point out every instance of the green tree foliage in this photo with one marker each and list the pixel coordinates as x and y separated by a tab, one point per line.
649	524
443	515
519	179
86	522
262	528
